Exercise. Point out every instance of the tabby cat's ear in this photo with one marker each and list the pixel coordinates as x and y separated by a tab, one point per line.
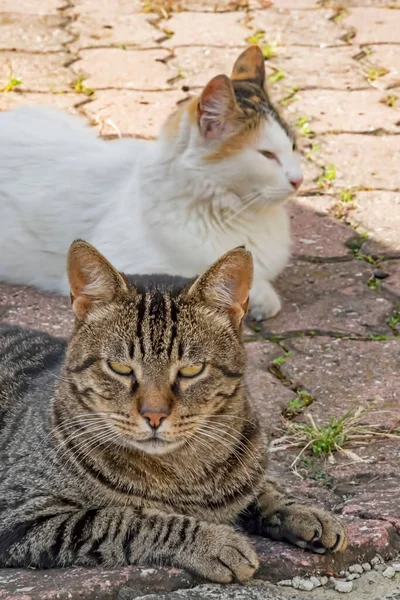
250	66
92	278
227	283
217	109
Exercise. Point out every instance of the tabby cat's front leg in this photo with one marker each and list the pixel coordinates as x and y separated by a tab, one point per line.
275	515
122	536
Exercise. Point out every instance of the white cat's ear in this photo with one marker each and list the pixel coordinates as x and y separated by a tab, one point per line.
226	284
250	66
217	109
92	278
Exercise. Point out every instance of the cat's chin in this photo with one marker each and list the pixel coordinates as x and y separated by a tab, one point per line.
154	446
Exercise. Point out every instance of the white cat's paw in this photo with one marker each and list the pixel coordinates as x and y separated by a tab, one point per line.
264	302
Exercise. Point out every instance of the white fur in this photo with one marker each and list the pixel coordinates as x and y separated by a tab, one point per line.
147	206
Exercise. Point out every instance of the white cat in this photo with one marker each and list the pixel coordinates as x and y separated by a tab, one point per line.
215	179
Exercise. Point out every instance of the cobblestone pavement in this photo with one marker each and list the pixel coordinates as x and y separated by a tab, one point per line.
334	69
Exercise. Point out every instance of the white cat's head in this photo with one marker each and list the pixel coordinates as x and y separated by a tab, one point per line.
235	137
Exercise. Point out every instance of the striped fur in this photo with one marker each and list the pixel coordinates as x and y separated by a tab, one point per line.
74	487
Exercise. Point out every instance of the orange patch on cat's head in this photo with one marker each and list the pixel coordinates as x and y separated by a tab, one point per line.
229	111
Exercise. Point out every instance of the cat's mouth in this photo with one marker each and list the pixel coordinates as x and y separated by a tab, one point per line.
155	445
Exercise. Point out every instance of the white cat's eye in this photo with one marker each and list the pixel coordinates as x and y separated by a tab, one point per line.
120	368
269	155
191	370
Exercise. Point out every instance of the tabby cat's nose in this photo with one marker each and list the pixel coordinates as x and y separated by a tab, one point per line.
154	419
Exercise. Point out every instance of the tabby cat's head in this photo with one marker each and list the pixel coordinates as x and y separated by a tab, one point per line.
153	361
234	134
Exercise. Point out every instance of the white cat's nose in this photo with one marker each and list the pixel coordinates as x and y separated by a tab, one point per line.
296	183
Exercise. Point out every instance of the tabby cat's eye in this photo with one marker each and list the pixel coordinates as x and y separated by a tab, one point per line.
120	368
191	370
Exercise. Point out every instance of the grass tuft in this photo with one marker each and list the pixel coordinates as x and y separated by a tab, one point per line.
339	435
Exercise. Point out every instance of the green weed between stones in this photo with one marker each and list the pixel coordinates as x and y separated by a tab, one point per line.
289	97
394	320
276	76
327	176
79	87
304	128
337	436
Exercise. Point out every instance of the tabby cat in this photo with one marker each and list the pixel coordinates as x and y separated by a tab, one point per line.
215	178
137	442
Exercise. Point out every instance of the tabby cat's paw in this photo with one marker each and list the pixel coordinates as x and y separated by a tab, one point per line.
223	556
308	527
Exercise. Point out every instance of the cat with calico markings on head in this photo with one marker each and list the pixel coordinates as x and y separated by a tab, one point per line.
137	442
216	178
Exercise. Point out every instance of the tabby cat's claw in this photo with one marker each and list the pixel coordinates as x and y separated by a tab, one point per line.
310	528
223	556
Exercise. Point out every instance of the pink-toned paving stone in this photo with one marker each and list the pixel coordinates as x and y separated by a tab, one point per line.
319	67
125	69
66	101
298	27
32	7
98	29
314	231
378	213
216	29
392	283
37	72
374	25
32	33
345	374
131	113
365	161
386	56
106	10
27	307
331	111
318	297
329	297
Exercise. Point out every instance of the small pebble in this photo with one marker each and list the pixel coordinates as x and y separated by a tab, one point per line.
302	584
356	569
379	274
380	568
324	580
315	581
285	582
389	572
352	576
342	573
396	567
376	560
366	566
343	586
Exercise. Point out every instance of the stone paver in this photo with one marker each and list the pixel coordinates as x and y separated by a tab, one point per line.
387	56
330	297
32	33
314	232
298	27
374	25
126	69
29	7
379	214
62	101
216	29
332	111
337	336
367	162
99	29
38	72
133	113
